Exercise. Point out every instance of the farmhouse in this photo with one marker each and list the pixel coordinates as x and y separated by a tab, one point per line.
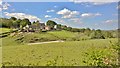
34	27
47	28
37	27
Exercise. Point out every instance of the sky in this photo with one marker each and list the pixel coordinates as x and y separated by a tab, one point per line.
94	15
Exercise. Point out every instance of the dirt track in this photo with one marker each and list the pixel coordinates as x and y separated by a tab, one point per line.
44	42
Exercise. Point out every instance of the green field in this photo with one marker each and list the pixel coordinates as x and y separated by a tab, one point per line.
66	53
24	38
17	52
3	30
0	56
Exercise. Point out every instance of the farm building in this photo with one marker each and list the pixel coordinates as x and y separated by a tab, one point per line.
47	28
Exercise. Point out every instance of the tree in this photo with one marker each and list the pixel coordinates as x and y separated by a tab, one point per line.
51	23
82	30
19	20
75	30
6	23
97	35
25	22
87	31
16	24
108	34
69	28
59	26
13	18
64	27
36	24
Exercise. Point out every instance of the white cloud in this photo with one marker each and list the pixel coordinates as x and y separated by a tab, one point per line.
0	2
58	20
95	2
116	14
76	20
22	16
67	13
110	21
0	9
118	7
90	14
4	6
55	6
47	16
50	10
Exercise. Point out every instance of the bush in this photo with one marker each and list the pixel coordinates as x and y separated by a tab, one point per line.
97	35
96	58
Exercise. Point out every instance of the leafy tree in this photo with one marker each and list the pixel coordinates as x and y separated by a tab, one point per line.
75	30
19	20
69	28
97	35
51	23
98	30
82	30
64	27
108	34
88	31
36	24
16	24
25	22
59	26
13	18
6	23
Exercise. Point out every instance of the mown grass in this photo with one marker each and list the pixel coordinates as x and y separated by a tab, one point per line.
3	30
62	34
0	56
23	38
68	53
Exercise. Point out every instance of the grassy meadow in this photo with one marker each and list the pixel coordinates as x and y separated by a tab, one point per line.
17	52
66	53
3	30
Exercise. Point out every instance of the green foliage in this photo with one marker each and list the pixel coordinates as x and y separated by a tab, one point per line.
75	30
59	26
69	28
96	58
5	22
64	27
108	34
51	23
97	35
116	46
94	34
25	22
100	58
13	18
16	24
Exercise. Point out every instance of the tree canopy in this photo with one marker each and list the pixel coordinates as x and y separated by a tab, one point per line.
51	23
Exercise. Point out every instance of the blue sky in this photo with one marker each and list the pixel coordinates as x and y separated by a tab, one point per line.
80	15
